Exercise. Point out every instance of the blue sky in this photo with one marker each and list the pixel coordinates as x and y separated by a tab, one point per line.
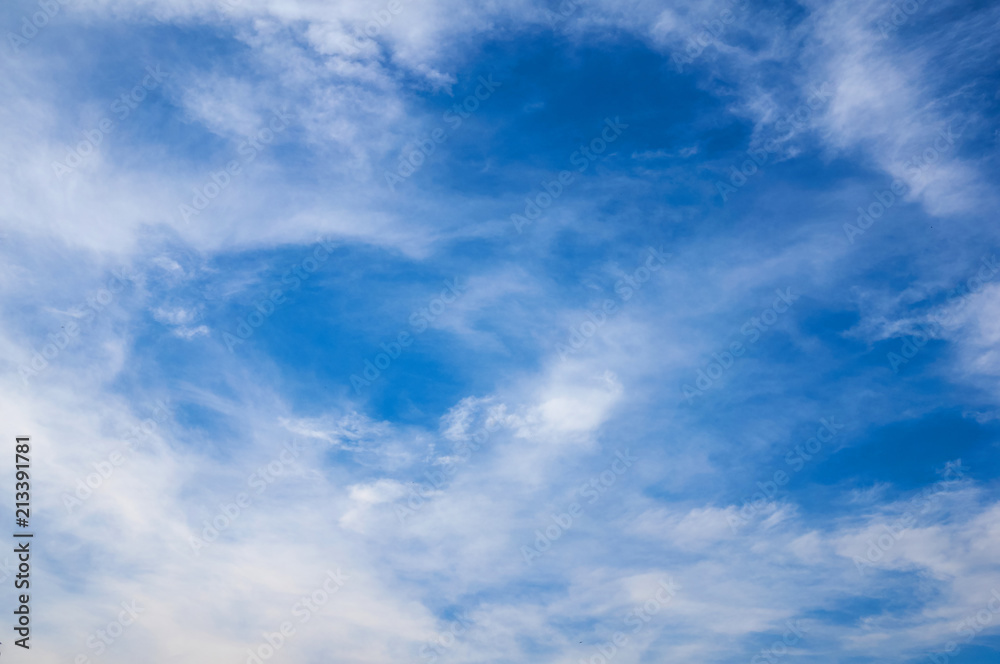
650	332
